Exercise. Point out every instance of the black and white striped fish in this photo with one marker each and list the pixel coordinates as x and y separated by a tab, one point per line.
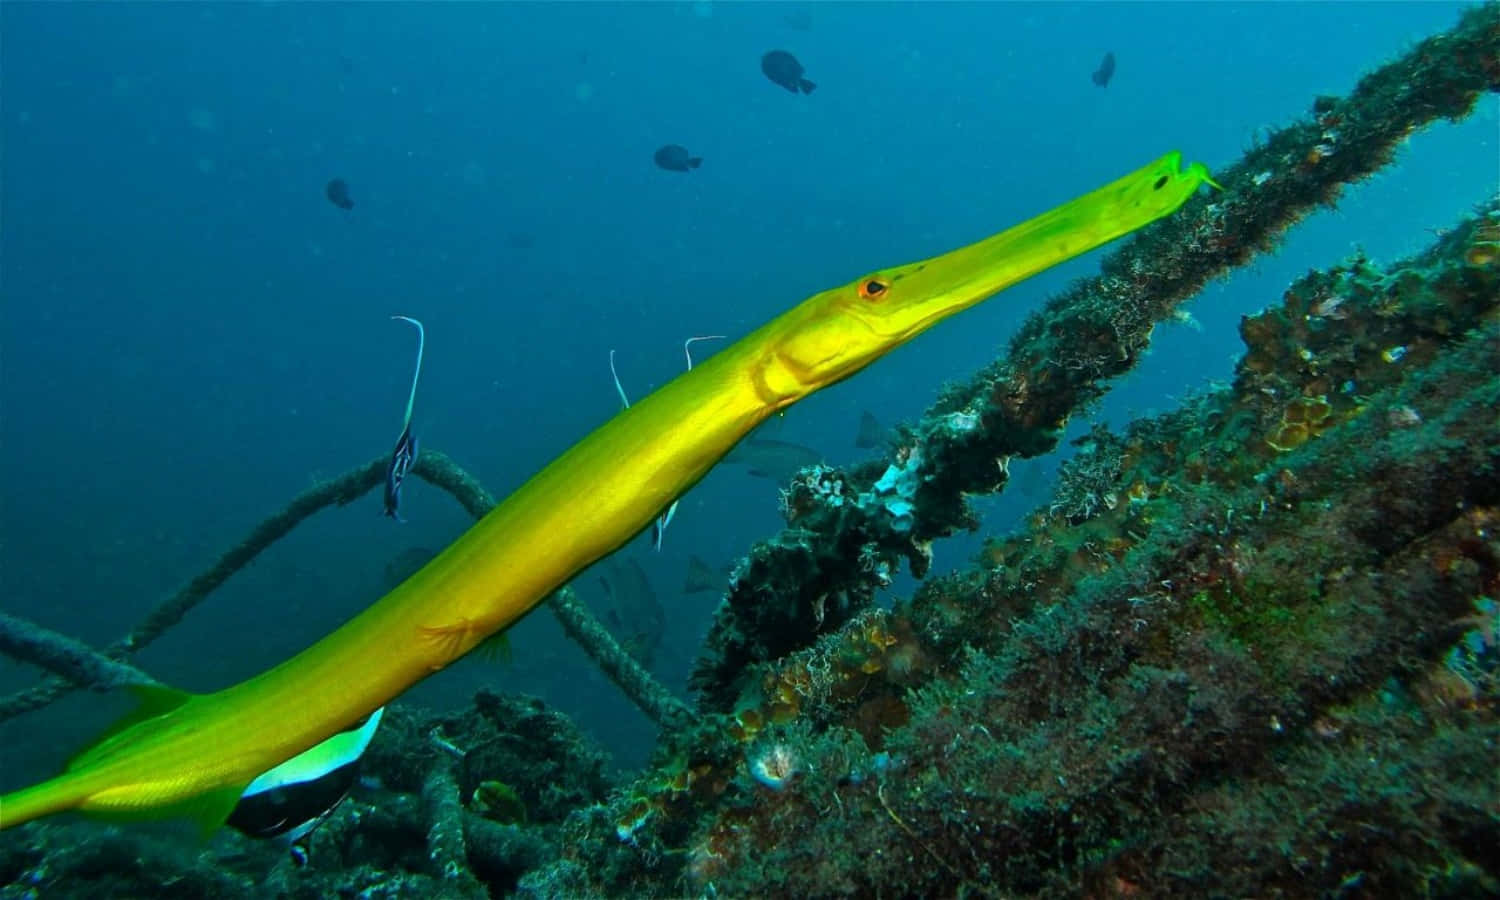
405	453
294	798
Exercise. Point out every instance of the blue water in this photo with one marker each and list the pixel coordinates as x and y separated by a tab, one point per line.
192	332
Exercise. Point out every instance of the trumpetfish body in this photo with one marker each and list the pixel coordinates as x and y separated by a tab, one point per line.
186	754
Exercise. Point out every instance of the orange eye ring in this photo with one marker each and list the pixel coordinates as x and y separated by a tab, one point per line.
873	288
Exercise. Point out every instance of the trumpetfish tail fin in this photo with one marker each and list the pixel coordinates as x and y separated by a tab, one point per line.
75	788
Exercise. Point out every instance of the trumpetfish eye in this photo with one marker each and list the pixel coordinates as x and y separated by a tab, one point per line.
873	288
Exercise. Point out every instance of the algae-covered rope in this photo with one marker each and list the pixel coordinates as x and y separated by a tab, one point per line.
446	845
79	664
76	665
658	703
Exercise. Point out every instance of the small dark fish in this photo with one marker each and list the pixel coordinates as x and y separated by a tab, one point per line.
767	458
871	432
675	158
633	612
783	68
800	20
337	192
1106	70
701	577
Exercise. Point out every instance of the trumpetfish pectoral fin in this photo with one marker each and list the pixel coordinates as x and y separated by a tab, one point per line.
465	636
496	648
452	640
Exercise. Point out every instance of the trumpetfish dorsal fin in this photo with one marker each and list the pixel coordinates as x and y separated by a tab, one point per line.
153	700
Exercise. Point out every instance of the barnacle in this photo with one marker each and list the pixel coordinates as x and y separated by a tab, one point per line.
1303	418
636	815
747	724
775	766
1485	248
1288	436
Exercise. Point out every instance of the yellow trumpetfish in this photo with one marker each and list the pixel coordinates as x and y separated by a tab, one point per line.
185	754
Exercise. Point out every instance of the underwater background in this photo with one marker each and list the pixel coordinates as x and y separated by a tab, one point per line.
193	333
